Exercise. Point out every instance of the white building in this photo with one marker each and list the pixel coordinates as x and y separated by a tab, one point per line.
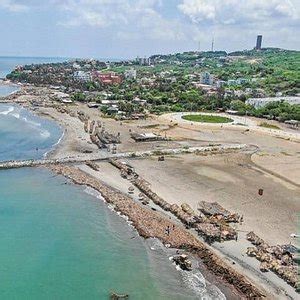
76	66
82	76
144	61
206	78
220	83
130	74
261	102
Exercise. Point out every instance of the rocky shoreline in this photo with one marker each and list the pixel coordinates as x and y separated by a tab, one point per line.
151	224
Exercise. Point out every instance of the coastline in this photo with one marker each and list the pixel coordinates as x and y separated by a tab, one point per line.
56	147
6	83
65	142
151	224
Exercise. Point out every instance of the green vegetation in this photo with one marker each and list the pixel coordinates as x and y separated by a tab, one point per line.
281	111
78	97
268	125
171	83
207	119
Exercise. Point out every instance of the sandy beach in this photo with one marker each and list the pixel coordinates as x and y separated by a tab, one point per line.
270	162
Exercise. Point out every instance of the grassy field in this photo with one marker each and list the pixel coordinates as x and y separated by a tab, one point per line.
207	119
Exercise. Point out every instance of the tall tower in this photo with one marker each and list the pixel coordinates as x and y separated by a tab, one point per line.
212	44
258	42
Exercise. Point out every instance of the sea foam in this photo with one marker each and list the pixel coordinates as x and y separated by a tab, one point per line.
8	111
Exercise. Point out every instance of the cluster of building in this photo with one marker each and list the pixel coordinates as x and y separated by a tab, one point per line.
104	78
107	78
261	102
209	79
82	76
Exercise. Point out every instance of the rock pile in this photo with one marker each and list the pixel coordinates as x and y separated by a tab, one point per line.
214	209
92	165
211	228
183	262
82	116
108	138
279	259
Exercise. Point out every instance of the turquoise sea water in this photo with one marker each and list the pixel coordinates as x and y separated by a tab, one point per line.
58	242
61	241
7	89
24	135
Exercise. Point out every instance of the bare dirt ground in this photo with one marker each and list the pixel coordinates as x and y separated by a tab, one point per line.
231	180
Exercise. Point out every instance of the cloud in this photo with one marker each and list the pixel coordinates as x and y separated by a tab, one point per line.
131	19
13	6
174	25
237	22
238	11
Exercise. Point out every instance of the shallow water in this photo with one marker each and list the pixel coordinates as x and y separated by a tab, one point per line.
7	89
57	242
24	135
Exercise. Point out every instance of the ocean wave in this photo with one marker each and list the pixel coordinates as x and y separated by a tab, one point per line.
8	111
54	145
31	122
196	281
94	193
45	134
98	195
16	115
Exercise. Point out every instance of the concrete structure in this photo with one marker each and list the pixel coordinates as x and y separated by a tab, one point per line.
206	78
220	83
107	78
261	102
63	97
82	76
144	61
258	42
130	74
238	81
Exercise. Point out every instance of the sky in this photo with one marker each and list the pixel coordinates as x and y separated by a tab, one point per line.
130	28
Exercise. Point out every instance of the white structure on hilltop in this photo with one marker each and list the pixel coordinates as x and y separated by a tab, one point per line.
130	74
82	76
76	66
144	61
261	102
206	78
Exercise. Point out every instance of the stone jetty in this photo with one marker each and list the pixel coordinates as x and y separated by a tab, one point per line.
100	155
